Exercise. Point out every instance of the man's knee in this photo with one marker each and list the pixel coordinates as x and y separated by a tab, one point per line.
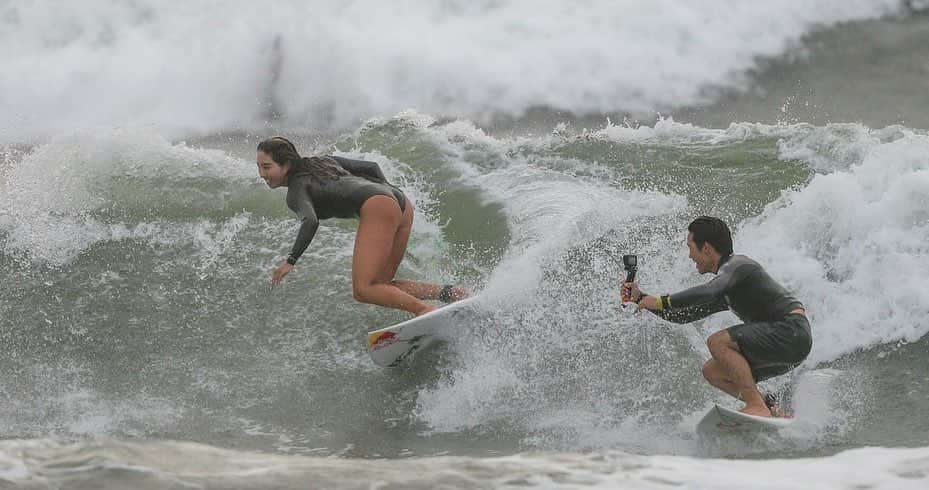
720	341
709	370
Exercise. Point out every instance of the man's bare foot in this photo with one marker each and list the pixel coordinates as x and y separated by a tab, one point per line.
771	400
780	413
756	410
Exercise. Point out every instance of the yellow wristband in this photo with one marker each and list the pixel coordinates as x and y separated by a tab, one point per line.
663	302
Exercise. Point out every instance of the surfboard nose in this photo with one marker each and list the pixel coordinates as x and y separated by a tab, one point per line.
376	340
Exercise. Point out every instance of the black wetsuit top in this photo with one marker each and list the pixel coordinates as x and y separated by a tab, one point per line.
314	199
741	284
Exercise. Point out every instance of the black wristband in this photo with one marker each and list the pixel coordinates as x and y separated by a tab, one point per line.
445	294
291	260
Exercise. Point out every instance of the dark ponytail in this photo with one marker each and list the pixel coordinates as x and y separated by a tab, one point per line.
282	151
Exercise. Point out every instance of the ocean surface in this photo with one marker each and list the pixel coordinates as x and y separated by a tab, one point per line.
539	141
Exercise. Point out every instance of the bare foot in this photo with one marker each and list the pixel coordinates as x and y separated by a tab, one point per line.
426	309
777	411
756	410
459	293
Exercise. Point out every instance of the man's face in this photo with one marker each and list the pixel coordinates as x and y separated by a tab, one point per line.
704	257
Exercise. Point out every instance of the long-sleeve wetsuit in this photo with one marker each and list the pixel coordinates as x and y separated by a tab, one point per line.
315	199
742	285
772	339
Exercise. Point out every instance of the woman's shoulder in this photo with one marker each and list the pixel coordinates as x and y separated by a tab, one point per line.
298	186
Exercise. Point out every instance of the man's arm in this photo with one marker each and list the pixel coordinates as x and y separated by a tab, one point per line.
362	168
703	294
692	313
663	307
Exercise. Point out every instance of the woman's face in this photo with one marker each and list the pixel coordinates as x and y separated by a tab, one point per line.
275	175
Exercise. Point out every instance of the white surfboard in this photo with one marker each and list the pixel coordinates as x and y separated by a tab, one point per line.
722	418
391	345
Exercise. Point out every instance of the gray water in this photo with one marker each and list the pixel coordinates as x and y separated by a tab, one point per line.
145	348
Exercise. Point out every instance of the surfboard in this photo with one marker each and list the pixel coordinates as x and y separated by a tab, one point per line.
389	346
723	418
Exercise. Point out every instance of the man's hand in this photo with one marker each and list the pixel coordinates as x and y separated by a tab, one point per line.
648	303
631	290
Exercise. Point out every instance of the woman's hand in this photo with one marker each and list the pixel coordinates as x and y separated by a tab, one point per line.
282	270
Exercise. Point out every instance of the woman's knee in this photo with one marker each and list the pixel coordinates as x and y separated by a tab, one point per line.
361	291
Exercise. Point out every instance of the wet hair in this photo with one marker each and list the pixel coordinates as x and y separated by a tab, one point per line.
282	151
707	229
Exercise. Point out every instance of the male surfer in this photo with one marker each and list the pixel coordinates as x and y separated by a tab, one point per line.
775	336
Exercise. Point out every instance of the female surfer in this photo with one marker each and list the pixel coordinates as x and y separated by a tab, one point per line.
335	187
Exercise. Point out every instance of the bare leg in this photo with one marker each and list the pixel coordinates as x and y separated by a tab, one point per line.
380	222
420	290
717	376
731	373
398	245
425	290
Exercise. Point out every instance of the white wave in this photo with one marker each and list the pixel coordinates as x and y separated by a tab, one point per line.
549	211
46	463
854	245
205	66
51	194
851	244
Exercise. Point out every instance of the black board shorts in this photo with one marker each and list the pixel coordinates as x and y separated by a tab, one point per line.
773	348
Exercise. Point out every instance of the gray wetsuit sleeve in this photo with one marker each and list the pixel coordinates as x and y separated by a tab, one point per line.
362	168
706	299
741	285
728	276
710	292
691	314
298	199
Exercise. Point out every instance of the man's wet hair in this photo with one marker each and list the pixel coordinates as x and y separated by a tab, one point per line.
707	229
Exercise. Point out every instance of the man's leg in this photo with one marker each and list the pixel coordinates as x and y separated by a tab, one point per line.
731	373
717	376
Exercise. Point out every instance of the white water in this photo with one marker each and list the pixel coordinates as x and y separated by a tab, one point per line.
46	464
852	244
199	67
860	221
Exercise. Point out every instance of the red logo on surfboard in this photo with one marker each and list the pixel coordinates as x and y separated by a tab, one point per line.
383	339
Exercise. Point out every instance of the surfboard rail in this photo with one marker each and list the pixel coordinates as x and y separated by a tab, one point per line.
725	418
